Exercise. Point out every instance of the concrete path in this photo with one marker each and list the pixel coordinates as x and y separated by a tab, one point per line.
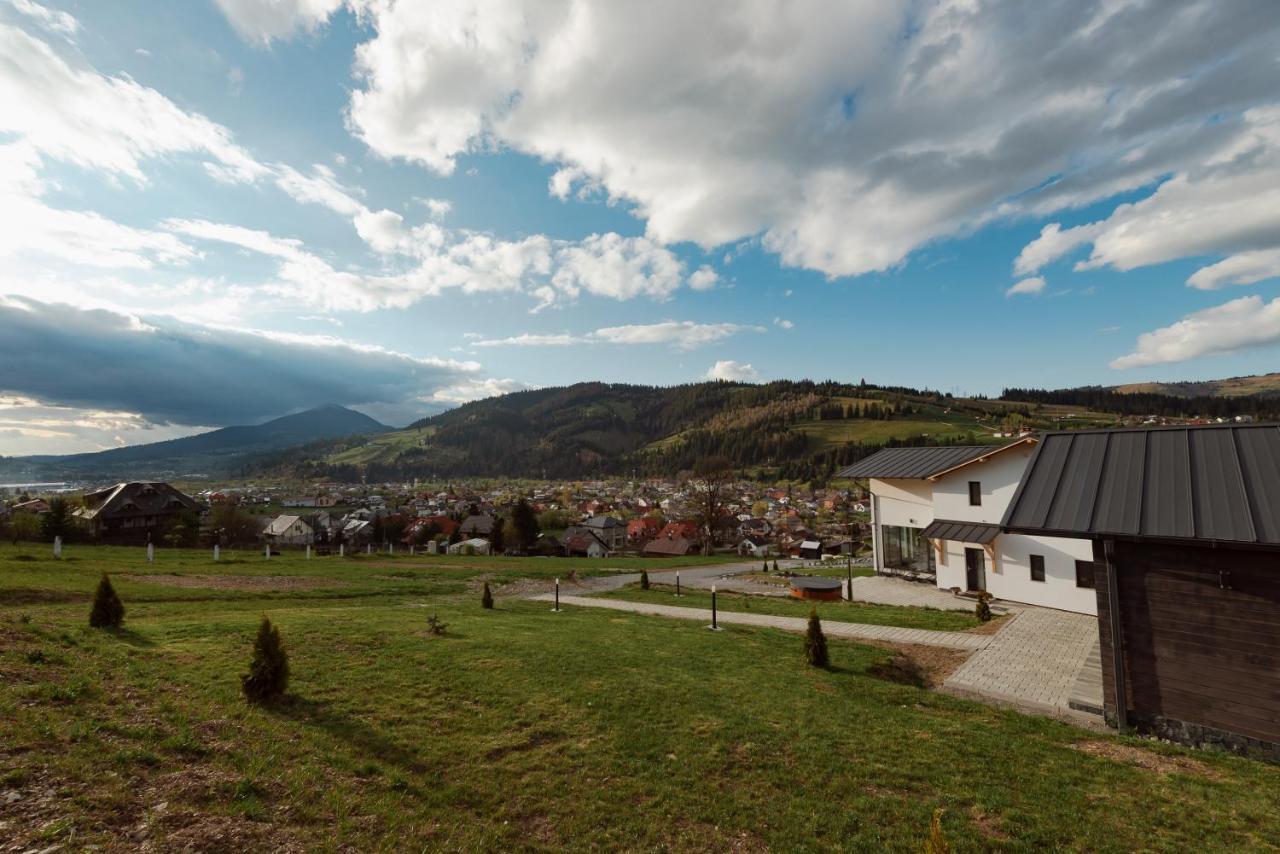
855	631
1034	663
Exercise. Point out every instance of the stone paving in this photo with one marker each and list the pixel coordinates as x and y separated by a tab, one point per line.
856	631
1034	662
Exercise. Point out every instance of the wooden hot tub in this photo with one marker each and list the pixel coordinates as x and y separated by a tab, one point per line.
824	589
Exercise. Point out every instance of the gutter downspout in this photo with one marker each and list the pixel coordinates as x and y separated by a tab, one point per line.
1117	638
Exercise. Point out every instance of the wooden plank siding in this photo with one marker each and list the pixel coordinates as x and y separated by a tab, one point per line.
1200	630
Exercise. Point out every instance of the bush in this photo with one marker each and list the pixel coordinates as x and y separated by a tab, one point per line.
486	598
108	610
815	642
901	669
937	843
644	580
268	674
766	567
775	566
983	609
435	626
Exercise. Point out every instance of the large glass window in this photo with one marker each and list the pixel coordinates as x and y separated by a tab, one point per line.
1084	573
904	548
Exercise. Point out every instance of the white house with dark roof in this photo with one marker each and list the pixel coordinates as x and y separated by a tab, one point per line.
936	515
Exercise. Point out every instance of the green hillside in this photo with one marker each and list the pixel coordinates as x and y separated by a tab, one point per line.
796	430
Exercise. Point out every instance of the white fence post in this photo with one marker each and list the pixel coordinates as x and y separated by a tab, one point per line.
215	552
57	547
151	553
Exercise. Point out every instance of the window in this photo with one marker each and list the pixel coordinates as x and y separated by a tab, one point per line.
975	493
1084	573
1037	568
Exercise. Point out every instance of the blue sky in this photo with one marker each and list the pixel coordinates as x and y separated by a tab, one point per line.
402	206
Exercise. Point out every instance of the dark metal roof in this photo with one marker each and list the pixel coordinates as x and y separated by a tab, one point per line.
960	532
914	462
1218	483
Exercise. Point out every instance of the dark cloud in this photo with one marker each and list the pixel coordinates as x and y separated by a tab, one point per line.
173	372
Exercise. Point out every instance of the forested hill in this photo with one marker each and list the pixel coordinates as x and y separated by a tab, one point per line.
799	430
1264	405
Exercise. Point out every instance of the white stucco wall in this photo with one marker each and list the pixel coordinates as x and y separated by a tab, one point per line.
999	477
908	503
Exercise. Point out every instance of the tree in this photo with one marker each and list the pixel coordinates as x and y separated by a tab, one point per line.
54	523
24	526
983	609
710	480
525	523
815	642
486	597
268	674
496	542
108	610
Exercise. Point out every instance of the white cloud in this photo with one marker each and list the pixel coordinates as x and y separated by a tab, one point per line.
732	371
528	340
704	278
470	390
105	123
783	323
1240	324
873	127
1228	203
63	23
1033	285
437	208
1244	268
261	21
617	267
682	335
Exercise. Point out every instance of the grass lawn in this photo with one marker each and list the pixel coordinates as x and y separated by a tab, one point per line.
29	574
526	730
846	612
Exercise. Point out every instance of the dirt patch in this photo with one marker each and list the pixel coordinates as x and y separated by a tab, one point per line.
32	596
995	624
937	663
1157	763
987	824
237	582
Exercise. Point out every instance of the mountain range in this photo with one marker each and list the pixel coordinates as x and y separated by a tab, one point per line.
785	429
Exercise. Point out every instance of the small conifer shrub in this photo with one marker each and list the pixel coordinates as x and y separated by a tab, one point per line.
108	610
435	626
815	642
766	567
486	597
644	580
268	674
775	566
983	609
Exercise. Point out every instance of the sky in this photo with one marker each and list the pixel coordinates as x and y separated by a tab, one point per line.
220	211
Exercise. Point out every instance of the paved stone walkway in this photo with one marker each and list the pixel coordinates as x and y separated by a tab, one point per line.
1034	663
856	631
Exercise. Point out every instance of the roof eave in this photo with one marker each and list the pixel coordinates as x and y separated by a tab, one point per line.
1025	440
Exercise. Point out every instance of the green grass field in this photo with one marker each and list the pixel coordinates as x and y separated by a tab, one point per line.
847	612
521	729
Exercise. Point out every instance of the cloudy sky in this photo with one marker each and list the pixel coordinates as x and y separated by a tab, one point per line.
218	211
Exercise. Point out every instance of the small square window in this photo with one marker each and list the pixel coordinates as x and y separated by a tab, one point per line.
975	493
1084	573
1037	567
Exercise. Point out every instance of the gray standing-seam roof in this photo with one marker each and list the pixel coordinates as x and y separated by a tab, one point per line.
1218	483
914	462
980	533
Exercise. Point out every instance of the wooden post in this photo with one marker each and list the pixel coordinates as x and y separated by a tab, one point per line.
1117	638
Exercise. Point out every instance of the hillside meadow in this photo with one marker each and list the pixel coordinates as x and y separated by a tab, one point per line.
523	729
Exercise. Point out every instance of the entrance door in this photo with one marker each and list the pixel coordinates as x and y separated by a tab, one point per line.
975	569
